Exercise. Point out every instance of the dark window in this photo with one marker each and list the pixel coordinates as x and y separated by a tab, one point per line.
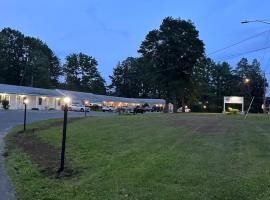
58	102
39	101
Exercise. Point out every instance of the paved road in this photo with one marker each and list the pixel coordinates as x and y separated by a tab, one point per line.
9	119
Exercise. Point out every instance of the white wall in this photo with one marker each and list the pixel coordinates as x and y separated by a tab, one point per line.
16	102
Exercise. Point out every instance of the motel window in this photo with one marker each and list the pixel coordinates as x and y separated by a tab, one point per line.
39	101
58	102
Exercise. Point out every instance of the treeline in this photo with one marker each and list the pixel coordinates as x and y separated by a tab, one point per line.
28	61
173	65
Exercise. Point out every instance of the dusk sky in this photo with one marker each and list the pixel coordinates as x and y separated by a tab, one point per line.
112	30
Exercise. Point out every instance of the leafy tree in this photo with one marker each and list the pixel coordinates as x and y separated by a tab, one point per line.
27	61
174	50
255	87
81	74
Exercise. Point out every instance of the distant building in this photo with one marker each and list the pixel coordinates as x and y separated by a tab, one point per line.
44	99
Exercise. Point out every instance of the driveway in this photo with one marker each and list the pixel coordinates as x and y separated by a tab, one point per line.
8	119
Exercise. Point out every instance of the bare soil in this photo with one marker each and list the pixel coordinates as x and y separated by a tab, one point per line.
44	155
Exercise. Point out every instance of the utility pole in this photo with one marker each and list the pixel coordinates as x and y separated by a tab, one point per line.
264	93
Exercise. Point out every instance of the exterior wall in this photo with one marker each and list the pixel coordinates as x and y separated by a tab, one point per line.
40	102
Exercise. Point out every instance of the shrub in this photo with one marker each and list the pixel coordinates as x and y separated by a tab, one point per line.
233	111
51	108
35	109
5	104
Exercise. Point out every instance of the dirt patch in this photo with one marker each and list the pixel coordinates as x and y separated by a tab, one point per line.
204	124
44	155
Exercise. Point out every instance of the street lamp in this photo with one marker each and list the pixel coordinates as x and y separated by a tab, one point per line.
62	163
246	80
25	102
85	103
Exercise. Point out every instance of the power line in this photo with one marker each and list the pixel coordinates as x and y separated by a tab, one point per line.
232	45
240	54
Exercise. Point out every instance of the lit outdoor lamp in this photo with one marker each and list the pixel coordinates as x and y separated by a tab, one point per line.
85	104
25	102
62	164
246	80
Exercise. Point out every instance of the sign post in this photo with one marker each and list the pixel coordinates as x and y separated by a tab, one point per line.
233	100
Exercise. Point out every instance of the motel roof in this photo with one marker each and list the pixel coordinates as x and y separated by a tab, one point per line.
22	90
95	98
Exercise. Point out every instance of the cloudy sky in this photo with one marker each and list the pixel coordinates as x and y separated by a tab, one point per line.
112	30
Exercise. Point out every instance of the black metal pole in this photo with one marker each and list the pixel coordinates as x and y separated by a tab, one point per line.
24	121
84	111
62	164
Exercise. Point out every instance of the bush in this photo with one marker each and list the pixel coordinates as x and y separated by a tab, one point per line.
5	104
35	109
233	111
51	109
196	108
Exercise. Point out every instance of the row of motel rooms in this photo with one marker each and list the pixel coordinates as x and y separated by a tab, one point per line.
54	99
16	101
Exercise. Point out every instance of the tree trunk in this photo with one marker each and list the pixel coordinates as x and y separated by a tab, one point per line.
183	105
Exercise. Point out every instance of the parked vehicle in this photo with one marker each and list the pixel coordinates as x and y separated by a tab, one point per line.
108	108
186	109
138	109
78	107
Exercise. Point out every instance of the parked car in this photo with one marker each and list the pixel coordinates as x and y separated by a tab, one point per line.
138	109
186	109
78	107
108	108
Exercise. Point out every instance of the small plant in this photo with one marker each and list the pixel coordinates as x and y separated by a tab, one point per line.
35	109
50	109
5	104
233	111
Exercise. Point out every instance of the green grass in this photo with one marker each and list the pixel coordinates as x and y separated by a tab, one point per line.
154	157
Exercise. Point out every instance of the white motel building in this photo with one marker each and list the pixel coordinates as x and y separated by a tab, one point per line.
46	99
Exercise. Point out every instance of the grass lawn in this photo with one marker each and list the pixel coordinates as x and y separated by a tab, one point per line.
147	157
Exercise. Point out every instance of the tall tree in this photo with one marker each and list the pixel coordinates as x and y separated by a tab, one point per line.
81	74
255	87
27	61
174	49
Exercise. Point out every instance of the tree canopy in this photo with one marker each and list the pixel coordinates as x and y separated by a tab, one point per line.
81	74
27	61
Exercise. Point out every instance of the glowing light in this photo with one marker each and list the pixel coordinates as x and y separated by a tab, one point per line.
25	101
204	106
86	102
246	80
67	100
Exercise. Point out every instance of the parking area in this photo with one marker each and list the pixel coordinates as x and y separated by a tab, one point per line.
11	118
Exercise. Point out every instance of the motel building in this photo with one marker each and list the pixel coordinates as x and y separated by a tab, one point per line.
53	99
41	99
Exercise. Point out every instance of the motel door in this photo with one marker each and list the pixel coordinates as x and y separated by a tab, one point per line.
19	102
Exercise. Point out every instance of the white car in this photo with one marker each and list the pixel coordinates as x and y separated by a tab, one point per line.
108	108
187	110
78	107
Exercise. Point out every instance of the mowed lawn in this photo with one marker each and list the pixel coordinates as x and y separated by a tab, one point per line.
151	157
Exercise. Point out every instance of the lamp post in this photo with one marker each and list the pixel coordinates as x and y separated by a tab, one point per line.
63	149
25	102
85	104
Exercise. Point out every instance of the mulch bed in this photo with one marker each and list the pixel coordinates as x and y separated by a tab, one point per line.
44	155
